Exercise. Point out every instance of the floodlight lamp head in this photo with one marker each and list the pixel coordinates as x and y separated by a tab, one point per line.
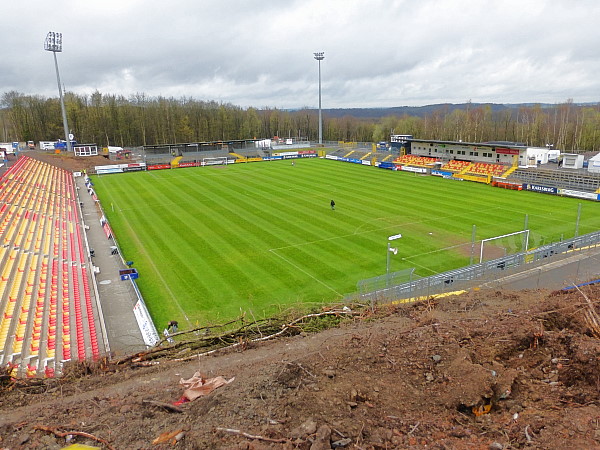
319	56
53	42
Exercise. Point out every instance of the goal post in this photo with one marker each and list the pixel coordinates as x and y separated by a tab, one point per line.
524	232
218	161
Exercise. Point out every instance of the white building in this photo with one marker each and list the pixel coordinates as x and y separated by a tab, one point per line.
594	164
572	161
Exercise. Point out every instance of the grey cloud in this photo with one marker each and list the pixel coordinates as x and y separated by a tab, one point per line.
259	53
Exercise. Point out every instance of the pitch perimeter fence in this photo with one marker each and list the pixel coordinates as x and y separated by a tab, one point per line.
467	277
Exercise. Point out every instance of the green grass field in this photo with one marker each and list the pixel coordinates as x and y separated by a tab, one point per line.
210	242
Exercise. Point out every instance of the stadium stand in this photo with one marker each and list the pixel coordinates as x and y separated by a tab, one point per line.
414	160
567	179
45	320
481	168
455	165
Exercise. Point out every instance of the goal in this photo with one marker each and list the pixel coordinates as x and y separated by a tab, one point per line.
219	161
507	241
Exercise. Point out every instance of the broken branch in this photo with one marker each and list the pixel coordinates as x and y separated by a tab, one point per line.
166	406
251	436
56	432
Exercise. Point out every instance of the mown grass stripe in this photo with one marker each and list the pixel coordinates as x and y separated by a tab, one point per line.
254	236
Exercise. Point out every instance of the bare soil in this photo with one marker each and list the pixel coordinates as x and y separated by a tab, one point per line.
485	370
70	162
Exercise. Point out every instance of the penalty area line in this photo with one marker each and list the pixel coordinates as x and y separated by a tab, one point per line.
419	265
304	272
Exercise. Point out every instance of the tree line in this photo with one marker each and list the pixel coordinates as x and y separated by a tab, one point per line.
139	119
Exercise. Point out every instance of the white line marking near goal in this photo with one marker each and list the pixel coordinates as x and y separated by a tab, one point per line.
419	265
304	271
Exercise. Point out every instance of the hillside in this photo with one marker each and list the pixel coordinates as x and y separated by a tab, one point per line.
485	370
426	110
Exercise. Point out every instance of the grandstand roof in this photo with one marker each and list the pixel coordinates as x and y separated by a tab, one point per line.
201	144
503	144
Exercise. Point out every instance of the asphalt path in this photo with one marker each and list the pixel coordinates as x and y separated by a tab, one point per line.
571	269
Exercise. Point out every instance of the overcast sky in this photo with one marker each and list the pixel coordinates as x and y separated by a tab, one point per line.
378	53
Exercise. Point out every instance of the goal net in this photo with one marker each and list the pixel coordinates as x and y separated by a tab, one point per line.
219	161
499	246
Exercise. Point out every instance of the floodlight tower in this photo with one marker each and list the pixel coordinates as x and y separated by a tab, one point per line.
53	43
320	56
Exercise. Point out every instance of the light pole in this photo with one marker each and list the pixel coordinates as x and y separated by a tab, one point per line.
393	250
320	56
53	43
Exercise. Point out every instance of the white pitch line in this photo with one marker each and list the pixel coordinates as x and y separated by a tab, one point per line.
422	267
154	268
305	272
355	233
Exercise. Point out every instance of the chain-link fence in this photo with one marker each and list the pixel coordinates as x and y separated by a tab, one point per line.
477	274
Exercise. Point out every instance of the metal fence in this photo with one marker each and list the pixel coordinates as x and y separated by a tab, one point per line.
476	274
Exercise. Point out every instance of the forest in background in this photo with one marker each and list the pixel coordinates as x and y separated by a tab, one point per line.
106	119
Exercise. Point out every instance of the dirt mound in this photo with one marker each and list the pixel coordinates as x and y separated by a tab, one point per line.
484	370
68	161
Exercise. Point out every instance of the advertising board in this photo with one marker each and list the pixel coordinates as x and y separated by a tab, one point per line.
540	188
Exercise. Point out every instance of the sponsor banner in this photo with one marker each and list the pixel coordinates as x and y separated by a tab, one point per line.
441	173
578	194
158	166
331	157
271	158
308	155
365	162
107	230
387	165
133	165
507	151
413	169
350	160
285	154
145	323
189	164
133	169
114	166
542	189
113	170
306	152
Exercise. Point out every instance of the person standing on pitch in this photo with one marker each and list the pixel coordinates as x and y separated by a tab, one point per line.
173	326
332	205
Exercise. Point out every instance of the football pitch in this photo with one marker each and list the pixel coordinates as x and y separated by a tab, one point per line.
213	242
